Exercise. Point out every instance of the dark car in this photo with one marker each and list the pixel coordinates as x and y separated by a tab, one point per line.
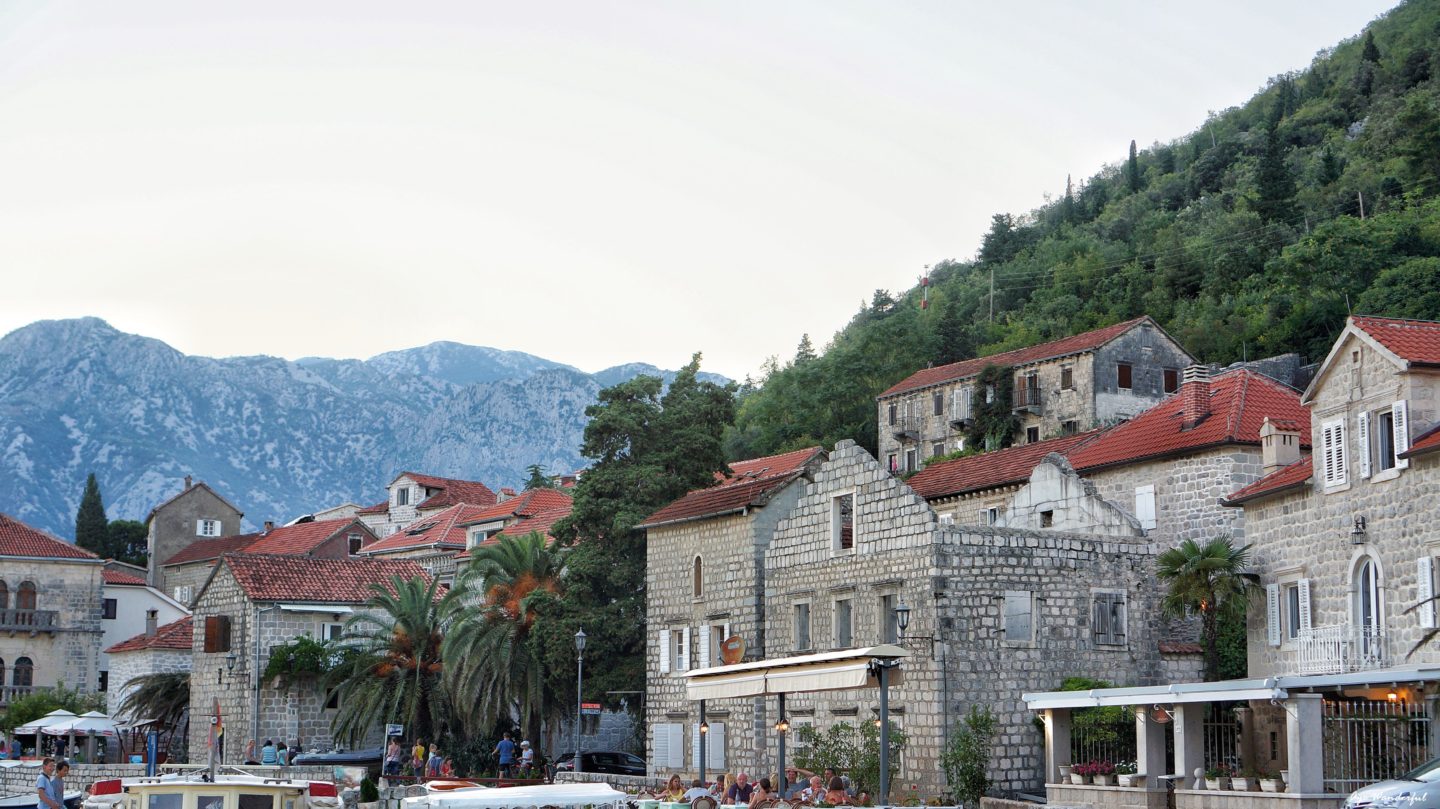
611	762
369	758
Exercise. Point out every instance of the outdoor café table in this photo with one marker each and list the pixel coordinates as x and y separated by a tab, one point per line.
647	803
675	805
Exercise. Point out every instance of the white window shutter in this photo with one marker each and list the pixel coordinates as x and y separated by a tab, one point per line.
1400	420
1145	506
664	652
1425	591
677	746
1272	614
1362	443
704	646
727	632
1304	588
1327	454
683	664
660	744
715	747
1342	454
695	746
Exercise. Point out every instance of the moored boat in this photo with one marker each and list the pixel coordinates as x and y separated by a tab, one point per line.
538	795
221	792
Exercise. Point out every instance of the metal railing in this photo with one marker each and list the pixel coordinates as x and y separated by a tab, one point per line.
1221	733
907	426
1102	734
1340	648
1025	396
28	620
1366	741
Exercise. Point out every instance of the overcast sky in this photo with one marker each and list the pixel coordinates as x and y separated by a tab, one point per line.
593	182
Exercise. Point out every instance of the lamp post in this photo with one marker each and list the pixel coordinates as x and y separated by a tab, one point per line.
782	727
902	620
579	688
704	734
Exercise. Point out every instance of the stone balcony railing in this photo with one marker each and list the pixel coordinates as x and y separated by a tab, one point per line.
9	693
28	620
1340	648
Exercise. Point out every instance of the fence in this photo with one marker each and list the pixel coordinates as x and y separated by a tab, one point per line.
1367	741
1221	731
1102	734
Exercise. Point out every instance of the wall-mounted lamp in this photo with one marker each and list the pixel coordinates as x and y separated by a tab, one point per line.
1357	532
229	667
1393	696
783	726
902	618
704	727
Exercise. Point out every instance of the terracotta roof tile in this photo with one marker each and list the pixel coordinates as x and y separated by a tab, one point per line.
717	500
1415	341
304	537
19	539
1424	443
1074	344
988	470
431	531
323	581
121	577
526	504
204	549
1240	401
781	464
452	491
177	635
379	508
1282	479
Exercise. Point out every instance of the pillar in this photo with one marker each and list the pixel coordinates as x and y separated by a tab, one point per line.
1304	736
1150	749
1057	742
1432	703
1189	722
1245	720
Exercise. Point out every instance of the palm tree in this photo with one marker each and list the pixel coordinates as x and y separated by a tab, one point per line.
389	664
1208	580
162	697
498	669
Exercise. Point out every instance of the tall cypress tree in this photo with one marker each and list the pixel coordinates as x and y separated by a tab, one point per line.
1275	185
91	526
1132	169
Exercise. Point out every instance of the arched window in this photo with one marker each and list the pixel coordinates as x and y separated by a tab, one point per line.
1368	610
24	673
2	671
698	573
25	596
4	595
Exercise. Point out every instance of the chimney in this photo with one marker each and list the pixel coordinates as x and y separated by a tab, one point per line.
506	493
1195	396
187	483
269	526
151	619
1279	444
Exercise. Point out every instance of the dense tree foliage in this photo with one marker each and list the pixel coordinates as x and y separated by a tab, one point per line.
90	522
1244	238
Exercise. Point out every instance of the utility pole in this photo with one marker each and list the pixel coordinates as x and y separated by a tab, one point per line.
992	293
1361	195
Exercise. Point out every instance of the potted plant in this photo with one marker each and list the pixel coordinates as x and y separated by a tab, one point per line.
1217	777
1078	773
1126	776
1103	772
1246	781
1270	783
369	795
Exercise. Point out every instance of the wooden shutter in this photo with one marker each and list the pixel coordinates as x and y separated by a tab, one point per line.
704	646
1145	506
664	652
1425	590
217	633
1102	618
1400	422
676	759
1333	442
660	744
1272	614
1117	619
1362	443
683	664
1304	588
715	747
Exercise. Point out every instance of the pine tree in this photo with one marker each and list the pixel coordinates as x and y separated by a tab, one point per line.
1276	187
804	352
951	339
538	479
1370	53
1067	205
90	523
1132	169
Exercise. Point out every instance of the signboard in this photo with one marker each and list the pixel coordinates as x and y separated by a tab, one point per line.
394	730
589	709
732	650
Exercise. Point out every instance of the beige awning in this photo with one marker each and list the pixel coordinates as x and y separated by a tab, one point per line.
827	671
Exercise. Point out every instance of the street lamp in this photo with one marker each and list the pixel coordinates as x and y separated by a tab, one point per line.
902	618
579	688
882	671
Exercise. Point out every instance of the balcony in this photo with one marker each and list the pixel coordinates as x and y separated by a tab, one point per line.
9	693
1341	648
907	427
1027	398
31	621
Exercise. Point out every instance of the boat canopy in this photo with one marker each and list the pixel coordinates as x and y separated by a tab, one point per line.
509	797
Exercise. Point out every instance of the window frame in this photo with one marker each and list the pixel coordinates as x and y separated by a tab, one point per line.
795	626
1125	376
1015	596
697	577
109	608
849	625
1067	377
1169	380
889	619
837	535
937	403
1032	435
1105	637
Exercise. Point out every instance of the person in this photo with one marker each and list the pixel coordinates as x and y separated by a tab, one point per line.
794	784
447	768
813	791
62	769
740	791
505	749
417	759
282	753
761	793
434	762
674	788
836	794
45	787
527	757
697	790
722	785
250	752
392	757
267	754
14	747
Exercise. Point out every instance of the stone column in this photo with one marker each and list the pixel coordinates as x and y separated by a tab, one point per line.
1189	721
1245	721
1432	704
1150	749
1304	741
1057	742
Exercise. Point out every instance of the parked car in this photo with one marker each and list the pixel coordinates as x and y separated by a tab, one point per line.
1417	788
612	762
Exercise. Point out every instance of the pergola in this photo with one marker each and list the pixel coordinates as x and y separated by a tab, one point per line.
844	670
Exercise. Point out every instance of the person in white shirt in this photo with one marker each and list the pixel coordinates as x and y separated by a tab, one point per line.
527	755
697	790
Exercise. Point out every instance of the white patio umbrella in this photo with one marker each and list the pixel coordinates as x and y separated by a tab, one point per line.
55	717
91	724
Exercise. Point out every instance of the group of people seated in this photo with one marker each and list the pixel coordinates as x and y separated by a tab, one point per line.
801	786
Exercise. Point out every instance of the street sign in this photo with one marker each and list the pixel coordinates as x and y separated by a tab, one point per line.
732	651
589	709
394	730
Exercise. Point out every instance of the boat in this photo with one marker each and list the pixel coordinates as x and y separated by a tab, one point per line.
538	795
203	791
30	801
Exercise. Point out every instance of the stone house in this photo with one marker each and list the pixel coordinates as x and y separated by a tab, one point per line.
50	625
412	495
197	513
157	649
432	541
127	605
1062	387
253	602
340	538
705	584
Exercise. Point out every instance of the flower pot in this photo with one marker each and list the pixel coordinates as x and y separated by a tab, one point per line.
1241	784
1064	772
1076	778
1285	776
1104	780
1269	784
1131	780
1217	783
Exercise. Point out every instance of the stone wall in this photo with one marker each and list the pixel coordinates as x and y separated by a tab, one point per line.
1149	351
173	527
1057	498
71	653
970	509
1188	489
126	666
188	574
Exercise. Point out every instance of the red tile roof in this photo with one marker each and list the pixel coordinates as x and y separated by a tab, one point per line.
19	539
1283	479
988	470
305	537
206	549
1424	443
1415	341
323	581
174	635
781	464
379	508
1075	344
452	492
541	522
431	531
723	499
527	504
1240	401
121	577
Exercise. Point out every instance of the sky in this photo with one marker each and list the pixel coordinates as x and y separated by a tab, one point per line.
592	182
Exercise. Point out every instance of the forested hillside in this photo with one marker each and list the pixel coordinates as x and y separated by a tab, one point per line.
1253	235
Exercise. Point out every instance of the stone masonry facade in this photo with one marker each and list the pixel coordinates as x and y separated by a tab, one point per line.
173	525
1188	490
69	653
126	666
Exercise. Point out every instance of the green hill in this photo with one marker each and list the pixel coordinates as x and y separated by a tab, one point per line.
1244	238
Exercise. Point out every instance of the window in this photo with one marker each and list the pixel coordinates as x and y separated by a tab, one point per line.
1171	380
1332	453
802	626
989	516
894	462
892	414
354	540
402	496
960	407
959	445
889	620
1425	591
1069	427
1383	435
1292	610
2	672
844	625
331	632
718	633
937	448
697	575
24	673
217	633
911	464
4	596
209	802
169	800
182	593
842	522
25	597
1109	619
1018	621
1067	377
1032	435
1123	375
989	394
107	608
1047	519
681	651
1287	610
1029	392
1145	506
667	746
255	801
937	403
104	681
207	528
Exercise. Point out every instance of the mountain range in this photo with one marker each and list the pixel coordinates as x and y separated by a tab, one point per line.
278	438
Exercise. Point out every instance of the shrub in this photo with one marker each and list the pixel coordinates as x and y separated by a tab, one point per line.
966	759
